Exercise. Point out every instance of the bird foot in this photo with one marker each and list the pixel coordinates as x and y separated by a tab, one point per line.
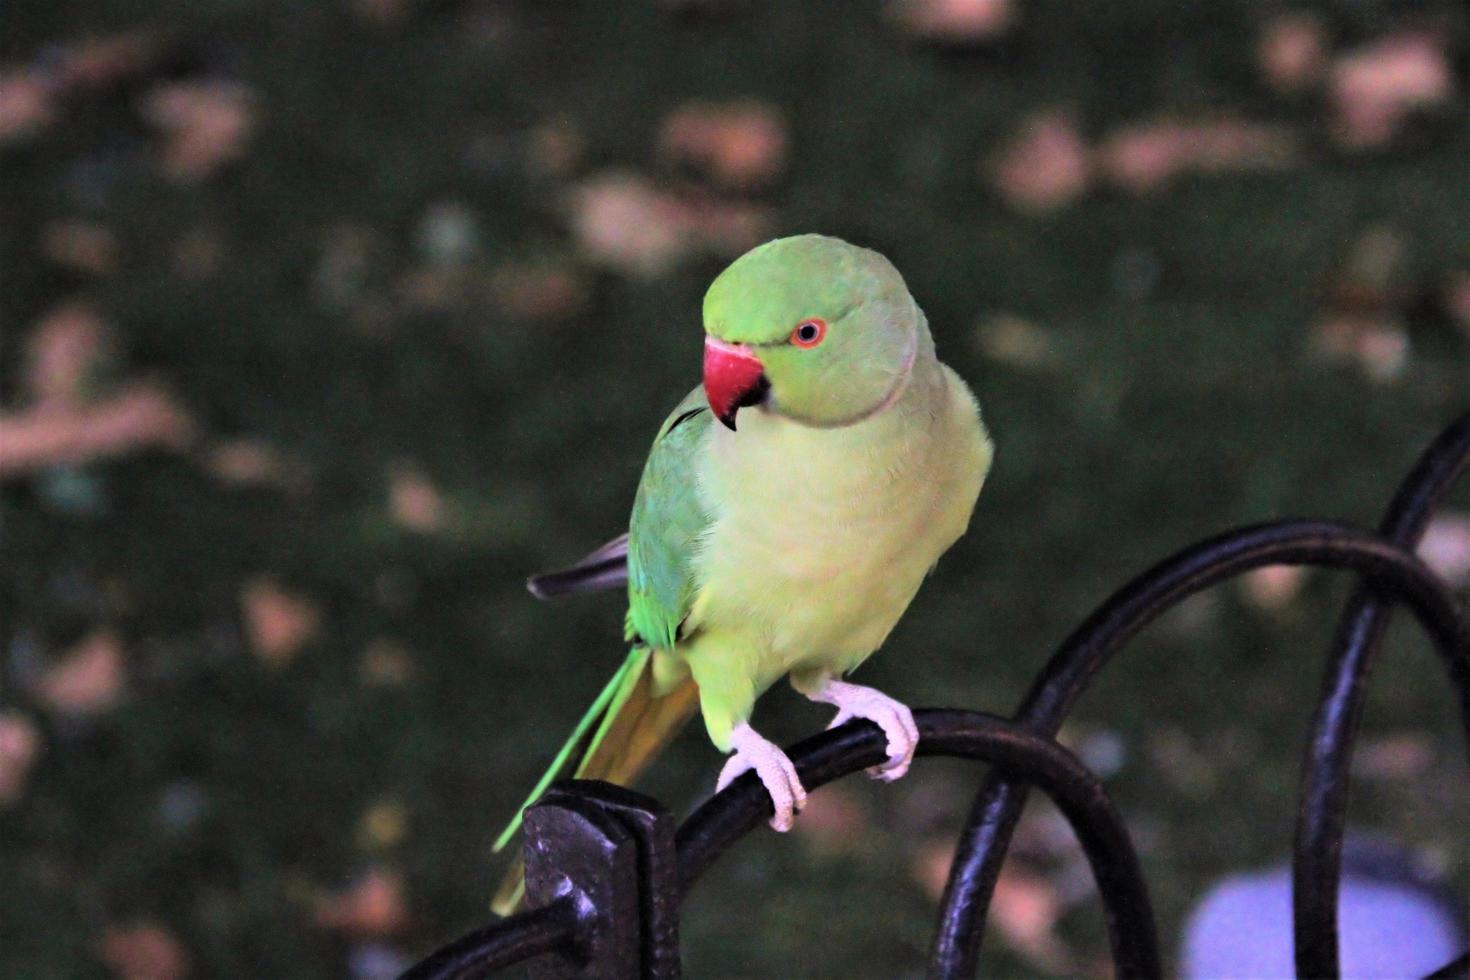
775	770
894	717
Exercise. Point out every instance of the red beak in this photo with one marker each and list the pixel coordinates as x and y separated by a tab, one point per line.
733	379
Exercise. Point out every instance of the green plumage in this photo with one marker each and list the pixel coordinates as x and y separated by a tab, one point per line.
667	522
793	545
583	740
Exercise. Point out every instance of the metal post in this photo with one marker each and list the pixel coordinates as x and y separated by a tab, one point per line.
612	851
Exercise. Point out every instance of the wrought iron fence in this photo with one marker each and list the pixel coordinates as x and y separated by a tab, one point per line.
606	870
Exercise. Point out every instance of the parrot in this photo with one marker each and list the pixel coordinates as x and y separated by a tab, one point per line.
788	512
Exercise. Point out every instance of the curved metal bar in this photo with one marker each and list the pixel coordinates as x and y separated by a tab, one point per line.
1322	816
520	937
993	818
727	817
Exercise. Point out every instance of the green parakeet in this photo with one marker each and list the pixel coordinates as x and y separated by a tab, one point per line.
791	544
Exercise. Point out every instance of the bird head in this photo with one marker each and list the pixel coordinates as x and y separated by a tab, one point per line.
810	328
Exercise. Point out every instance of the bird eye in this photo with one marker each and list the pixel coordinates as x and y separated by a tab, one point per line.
809	333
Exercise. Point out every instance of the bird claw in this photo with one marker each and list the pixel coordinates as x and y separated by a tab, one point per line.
774	769
894	717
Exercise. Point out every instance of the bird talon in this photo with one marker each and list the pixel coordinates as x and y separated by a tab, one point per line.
894	717
735	767
775	770
889	771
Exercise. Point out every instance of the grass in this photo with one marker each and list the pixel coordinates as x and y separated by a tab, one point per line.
1177	398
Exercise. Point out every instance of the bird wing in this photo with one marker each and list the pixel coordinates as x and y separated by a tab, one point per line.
652	557
668	520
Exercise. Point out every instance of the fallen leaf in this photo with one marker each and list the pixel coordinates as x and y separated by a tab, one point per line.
1400	756
246	463
140	417
953	22
277	623
740	144
65	350
144	951
27	104
1024	909
1378	347
539	291
373	906
20	743
834	821
1445	547
1336	337
722	227
1013	340
1273	587
623	221
1143	157
1292	51
1046	166
82	246
931	865
1374	89
382	825
205	124
1383	351
386	664
102	62
413	501
87	679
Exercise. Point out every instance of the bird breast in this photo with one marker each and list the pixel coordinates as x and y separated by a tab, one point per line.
821	537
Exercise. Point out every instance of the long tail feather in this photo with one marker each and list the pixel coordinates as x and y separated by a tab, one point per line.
605	568
633	725
644	724
512	888
612	694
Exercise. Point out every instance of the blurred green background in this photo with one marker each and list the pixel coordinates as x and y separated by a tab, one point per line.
324	324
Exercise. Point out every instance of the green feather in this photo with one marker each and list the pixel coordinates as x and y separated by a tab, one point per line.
605	707
667	521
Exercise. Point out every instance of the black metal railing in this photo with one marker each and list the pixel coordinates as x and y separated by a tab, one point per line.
606	870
